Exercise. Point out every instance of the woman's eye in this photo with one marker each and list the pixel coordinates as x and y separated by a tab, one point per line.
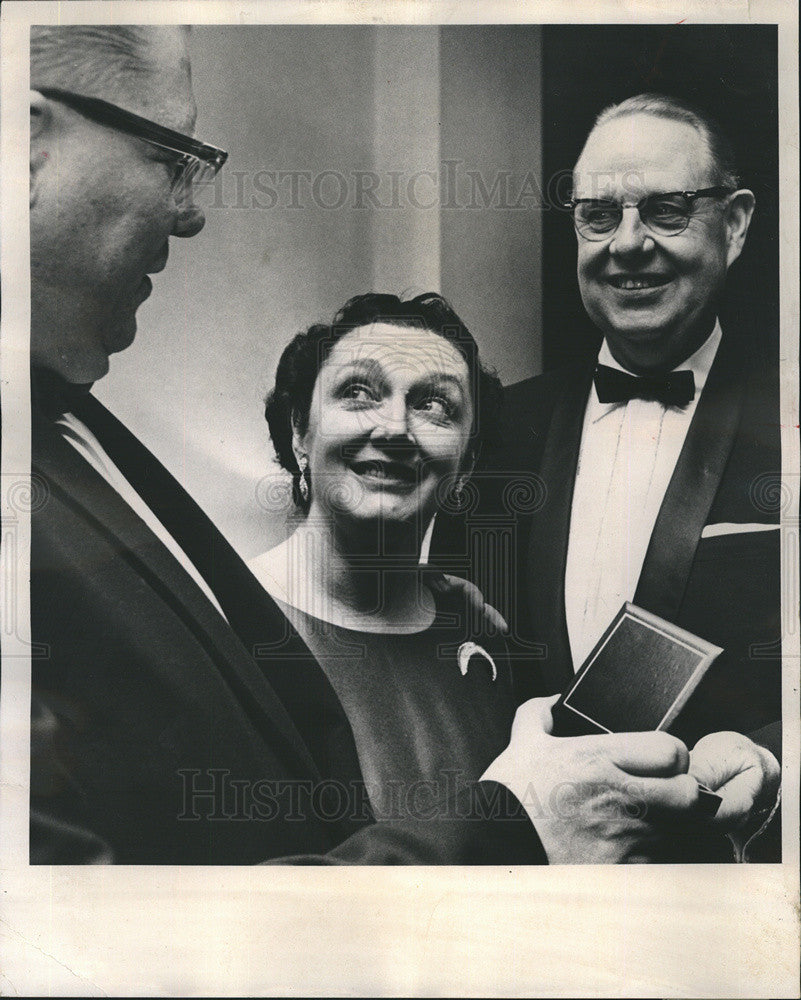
437	406
359	392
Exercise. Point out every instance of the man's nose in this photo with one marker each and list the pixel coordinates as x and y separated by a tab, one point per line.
631	235
189	220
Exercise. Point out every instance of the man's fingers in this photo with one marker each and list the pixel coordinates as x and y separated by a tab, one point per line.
629	799
656	796
497	619
534	717
458	585
719	758
739	797
744	774
655	754
444	583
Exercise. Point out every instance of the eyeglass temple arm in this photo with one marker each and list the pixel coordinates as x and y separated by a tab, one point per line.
161	135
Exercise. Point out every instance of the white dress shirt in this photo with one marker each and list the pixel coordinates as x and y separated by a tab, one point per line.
627	456
86	444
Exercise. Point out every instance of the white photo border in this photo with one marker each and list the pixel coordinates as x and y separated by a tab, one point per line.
713	931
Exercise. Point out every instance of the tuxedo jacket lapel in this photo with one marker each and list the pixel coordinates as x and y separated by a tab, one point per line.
692	488
102	507
239	594
547	554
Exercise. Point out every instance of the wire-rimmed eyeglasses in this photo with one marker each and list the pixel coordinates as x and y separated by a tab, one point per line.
196	162
666	214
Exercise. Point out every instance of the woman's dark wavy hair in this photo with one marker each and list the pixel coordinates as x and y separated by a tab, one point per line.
288	404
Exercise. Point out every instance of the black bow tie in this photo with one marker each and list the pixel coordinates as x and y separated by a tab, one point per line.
615	386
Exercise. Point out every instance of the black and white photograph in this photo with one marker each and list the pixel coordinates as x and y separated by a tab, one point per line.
399	499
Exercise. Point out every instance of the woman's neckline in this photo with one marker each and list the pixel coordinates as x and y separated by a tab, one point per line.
274	583
361	628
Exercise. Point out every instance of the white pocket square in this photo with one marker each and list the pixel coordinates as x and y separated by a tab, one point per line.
730	528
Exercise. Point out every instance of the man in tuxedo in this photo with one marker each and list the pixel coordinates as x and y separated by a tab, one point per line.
177	717
656	458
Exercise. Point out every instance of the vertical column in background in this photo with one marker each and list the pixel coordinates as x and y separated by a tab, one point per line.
405	220
493	189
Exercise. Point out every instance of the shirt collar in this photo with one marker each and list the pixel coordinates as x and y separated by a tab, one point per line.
699	363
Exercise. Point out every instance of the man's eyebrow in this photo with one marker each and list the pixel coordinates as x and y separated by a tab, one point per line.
598	196
183	121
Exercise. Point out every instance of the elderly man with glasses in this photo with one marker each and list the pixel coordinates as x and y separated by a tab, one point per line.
156	737
656	456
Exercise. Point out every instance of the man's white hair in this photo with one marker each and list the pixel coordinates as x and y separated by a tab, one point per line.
96	60
721	153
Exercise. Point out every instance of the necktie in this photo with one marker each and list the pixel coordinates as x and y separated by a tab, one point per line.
615	386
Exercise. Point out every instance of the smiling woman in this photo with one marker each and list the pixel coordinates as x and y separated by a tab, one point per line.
388	423
379	417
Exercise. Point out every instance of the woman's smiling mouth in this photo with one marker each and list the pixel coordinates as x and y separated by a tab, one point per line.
386	473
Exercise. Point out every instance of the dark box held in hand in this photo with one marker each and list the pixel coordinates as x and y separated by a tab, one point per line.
639	677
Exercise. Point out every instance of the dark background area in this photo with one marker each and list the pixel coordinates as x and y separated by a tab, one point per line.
729	71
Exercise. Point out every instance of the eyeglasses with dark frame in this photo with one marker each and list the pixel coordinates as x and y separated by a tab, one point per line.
665	214
196	162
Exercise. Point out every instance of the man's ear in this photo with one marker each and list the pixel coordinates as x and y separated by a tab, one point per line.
41	139
738	219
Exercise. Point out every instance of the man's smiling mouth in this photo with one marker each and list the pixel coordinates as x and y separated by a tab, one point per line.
630	282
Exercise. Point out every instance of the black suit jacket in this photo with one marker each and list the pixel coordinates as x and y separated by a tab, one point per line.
725	589
162	733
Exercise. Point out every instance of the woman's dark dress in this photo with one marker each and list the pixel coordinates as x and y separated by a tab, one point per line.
422	727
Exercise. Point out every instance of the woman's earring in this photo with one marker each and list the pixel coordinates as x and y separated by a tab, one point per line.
458	491
303	482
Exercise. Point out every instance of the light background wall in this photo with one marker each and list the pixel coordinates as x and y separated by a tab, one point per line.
409	148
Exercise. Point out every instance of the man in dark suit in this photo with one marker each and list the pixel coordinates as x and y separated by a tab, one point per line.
657	459
177	717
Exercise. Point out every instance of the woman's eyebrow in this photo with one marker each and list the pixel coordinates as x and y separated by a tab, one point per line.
374	369
369	366
442	378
